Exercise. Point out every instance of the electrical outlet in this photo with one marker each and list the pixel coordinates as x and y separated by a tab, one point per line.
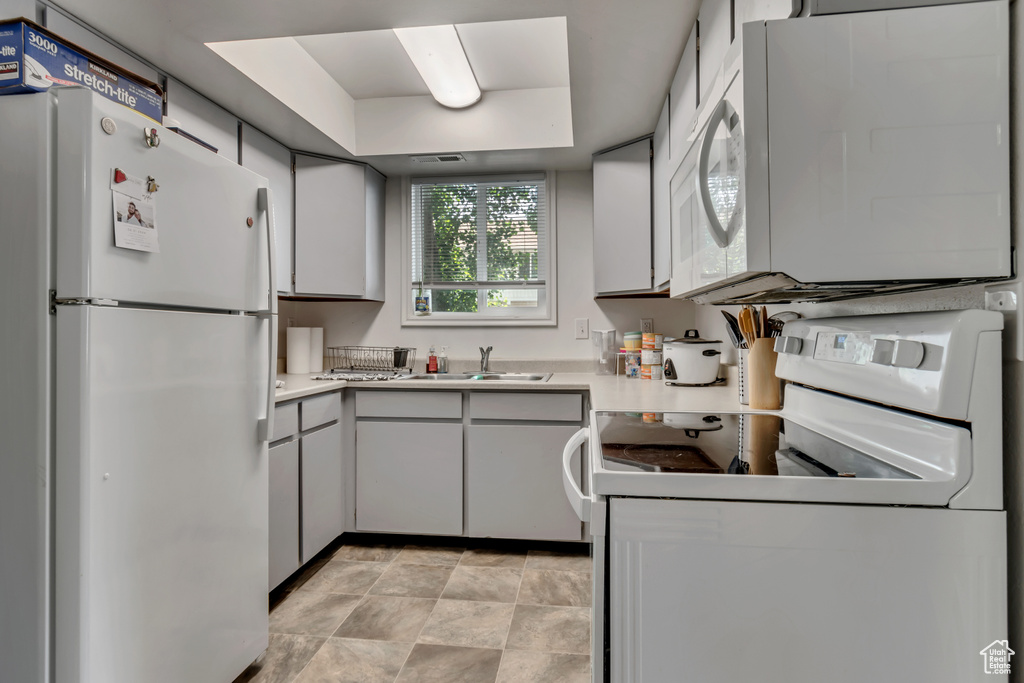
582	328
647	325
291	322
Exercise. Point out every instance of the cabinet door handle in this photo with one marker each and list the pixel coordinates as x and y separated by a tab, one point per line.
721	235
580	503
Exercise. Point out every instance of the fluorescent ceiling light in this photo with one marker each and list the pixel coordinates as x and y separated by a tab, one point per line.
437	54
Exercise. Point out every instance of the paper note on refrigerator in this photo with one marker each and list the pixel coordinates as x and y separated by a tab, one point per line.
134	218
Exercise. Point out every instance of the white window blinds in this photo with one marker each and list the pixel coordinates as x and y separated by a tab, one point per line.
480	243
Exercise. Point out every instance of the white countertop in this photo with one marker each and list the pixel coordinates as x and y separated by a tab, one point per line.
607	392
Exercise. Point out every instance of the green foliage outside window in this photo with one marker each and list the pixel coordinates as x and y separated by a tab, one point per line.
452	241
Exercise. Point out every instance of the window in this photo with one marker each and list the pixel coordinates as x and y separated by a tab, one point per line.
480	251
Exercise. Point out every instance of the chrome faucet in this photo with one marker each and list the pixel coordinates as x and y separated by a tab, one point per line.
485	359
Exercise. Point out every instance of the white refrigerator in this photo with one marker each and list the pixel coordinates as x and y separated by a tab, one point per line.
138	348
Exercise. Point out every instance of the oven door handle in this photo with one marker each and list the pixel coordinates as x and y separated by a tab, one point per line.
580	502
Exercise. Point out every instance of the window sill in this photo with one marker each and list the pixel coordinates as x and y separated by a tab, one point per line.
441	321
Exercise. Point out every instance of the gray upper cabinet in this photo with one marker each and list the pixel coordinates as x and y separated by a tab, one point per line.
760	10
273	161
661	177
83	37
622	219
683	101
339	229
715	21
202	119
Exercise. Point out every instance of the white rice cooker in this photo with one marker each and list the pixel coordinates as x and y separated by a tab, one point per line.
692	360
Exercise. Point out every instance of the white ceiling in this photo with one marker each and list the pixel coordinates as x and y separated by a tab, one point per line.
362	90
622	56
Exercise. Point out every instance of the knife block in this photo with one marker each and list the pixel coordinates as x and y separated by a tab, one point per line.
763	391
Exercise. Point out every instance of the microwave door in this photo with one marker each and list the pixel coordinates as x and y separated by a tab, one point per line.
720	187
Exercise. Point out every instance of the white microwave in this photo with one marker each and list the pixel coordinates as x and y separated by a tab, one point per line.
849	155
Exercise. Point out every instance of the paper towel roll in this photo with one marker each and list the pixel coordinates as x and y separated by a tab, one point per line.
316	349
297	348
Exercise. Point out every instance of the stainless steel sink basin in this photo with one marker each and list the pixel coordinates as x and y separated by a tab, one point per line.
481	376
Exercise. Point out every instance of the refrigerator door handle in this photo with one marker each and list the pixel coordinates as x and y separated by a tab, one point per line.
265	426
265	202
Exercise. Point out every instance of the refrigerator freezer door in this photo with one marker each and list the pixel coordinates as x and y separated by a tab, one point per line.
161	502
209	257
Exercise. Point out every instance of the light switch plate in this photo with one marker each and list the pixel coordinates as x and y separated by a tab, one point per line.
582	328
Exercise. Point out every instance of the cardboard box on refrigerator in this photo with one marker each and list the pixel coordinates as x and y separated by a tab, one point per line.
33	59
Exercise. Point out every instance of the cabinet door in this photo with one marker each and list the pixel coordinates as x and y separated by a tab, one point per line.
76	33
514	485
202	118
715	21
375	184
622	219
683	101
284	512
330	228
409	477
660	176
273	161
323	493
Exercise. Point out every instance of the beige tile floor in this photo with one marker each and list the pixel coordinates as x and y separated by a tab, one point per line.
373	609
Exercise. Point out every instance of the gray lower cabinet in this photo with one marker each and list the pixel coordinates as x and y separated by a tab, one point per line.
409	477
514	487
306	483
284	511
323	507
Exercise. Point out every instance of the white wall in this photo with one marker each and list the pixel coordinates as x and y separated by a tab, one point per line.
376	324
13	9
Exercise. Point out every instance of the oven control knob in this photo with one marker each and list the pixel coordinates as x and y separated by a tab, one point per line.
907	353
899	353
881	351
788	344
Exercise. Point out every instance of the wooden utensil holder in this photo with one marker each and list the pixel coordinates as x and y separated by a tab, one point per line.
760	442
764	385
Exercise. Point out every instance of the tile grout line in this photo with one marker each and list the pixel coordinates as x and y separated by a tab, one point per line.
515	605
306	666
416	641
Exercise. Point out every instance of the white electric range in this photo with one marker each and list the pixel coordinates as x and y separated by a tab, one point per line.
858	534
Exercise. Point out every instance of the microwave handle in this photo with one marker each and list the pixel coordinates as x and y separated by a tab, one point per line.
720	235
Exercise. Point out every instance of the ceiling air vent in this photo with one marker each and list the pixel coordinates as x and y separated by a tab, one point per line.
436	158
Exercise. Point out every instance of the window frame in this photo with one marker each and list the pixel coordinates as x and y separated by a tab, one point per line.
488	317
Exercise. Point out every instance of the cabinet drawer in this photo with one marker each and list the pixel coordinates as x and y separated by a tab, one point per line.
286	421
409	404
320	410
526	406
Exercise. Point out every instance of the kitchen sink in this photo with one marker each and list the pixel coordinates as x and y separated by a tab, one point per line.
481	376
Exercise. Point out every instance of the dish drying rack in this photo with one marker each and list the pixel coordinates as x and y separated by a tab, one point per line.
371	358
